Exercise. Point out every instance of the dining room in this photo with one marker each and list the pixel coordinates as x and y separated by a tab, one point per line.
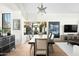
39	29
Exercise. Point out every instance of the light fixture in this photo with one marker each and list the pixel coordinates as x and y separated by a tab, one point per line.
42	9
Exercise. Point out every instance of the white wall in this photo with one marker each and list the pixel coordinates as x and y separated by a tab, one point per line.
63	18
3	9
15	14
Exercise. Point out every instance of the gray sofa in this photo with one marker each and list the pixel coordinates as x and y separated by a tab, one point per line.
73	40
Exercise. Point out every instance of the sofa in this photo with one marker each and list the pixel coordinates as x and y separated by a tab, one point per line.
74	40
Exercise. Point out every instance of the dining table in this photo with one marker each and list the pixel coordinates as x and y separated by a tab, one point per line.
32	41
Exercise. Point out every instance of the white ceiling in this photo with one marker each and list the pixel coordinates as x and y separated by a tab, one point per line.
28	8
51	7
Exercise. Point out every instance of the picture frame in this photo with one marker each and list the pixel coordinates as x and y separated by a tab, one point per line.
16	24
27	28
54	27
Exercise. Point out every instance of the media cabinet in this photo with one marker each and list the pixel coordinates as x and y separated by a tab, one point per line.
6	43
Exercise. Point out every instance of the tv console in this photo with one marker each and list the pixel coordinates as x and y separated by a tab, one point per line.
6	44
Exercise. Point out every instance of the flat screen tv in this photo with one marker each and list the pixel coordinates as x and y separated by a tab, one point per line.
70	28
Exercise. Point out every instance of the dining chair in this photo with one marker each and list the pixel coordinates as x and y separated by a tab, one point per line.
49	35
41	47
51	38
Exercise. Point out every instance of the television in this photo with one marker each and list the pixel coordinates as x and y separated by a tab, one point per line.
70	28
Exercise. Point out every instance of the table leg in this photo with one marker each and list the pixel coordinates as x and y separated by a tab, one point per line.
34	49
30	49
48	50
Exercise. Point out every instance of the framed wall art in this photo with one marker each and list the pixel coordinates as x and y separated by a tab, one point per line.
27	28
16	24
54	27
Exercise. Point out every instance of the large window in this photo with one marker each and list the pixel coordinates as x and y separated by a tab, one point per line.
6	22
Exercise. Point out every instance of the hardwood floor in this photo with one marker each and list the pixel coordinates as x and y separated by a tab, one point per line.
24	50
21	50
57	51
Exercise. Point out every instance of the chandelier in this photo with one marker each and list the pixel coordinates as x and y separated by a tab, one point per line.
42	9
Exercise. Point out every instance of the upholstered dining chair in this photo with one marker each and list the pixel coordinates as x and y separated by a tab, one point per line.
51	38
41	47
49	35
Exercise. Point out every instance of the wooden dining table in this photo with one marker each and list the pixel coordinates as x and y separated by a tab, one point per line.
32	41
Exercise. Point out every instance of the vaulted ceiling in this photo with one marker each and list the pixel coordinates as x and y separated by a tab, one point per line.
51	7
27	8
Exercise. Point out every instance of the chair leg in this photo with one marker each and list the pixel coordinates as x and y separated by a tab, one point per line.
50	49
